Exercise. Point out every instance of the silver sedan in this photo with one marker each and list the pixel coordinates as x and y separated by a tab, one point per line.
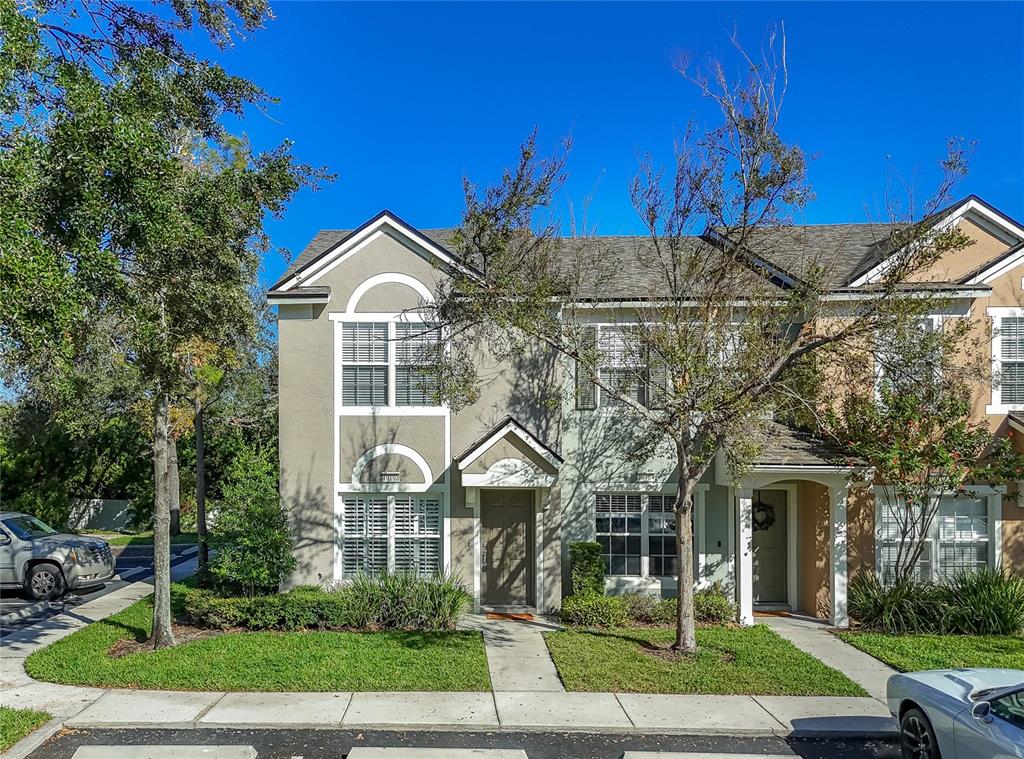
959	713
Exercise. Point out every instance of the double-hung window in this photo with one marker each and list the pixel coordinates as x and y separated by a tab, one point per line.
397	533
637	533
364	356
619	532
1007	359
957	540
387	363
414	346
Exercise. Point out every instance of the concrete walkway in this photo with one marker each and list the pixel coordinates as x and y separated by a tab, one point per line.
517	656
812	636
527	694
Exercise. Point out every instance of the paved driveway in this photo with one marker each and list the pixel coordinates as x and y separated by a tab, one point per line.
133	563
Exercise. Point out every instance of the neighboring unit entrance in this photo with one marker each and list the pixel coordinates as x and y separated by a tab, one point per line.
506	519
770	547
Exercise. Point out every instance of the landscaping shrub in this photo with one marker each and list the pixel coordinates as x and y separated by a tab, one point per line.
254	553
586	569
710	607
904	607
984	602
592	610
384	602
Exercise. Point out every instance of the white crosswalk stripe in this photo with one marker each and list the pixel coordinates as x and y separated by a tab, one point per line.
165	752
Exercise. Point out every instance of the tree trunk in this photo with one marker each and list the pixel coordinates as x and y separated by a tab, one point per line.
174	484
204	549
686	639
162	635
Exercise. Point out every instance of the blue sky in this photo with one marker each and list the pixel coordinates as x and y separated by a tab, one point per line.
402	100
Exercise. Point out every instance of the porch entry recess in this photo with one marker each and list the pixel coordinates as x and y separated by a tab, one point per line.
506	556
770	549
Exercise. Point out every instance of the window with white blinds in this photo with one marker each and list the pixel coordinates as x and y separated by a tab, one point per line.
397	533
414	344
957	541
621	367
364	356
637	533
1011	359
387	363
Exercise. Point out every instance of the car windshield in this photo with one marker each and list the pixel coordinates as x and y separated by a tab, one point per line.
27	528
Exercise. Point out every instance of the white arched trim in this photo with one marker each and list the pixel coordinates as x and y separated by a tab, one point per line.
510	473
395	448
392	277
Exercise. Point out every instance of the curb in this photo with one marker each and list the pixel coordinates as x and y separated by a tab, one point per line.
28	611
34	740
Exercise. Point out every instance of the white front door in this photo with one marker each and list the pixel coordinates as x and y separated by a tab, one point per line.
770	547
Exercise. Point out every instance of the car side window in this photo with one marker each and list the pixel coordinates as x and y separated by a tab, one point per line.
1010	708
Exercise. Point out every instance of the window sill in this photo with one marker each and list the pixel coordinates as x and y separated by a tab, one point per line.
993	409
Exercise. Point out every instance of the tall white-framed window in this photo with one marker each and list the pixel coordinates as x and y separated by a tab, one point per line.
963	536
619	366
907	358
637	533
395	532
385	363
1007	360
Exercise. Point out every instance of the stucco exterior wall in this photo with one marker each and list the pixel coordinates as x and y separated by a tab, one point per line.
424	434
306	438
984	247
813	575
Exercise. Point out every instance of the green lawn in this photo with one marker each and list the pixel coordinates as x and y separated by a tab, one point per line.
15	724
140	538
909	653
266	661
729	660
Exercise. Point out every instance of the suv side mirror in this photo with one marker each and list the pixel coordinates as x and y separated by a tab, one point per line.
982	711
5	539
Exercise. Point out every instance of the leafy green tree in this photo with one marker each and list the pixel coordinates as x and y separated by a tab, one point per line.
126	204
254	553
707	351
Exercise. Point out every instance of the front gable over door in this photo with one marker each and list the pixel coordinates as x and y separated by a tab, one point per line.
508	455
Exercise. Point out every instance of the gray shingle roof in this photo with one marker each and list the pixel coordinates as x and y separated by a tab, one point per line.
785	446
846	251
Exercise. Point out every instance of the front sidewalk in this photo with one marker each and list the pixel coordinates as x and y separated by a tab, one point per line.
524	697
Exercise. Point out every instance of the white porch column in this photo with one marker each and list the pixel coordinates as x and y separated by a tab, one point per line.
473	503
744	555
837	550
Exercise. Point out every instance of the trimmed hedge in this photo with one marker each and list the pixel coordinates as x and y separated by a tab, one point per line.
710	607
384	602
586	569
983	602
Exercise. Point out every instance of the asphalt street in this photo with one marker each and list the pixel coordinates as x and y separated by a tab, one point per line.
135	562
335	744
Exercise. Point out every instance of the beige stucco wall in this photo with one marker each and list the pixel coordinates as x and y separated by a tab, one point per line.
812	548
424	434
984	247
306	438
860	532
509	447
389	298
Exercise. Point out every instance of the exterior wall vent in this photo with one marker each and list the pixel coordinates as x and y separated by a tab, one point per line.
390	478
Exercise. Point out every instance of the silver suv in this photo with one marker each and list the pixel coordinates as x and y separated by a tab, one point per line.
34	556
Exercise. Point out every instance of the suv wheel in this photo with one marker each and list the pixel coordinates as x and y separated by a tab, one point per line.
917	739
44	582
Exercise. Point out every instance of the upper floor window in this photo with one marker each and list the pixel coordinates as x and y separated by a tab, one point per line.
622	366
387	363
1007	360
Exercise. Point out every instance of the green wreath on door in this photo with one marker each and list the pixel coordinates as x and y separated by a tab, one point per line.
762	515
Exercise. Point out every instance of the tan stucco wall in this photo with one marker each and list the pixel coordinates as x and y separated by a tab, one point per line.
424	434
409	473
509	447
984	247
812	548
389	298
860	535
384	255
306	438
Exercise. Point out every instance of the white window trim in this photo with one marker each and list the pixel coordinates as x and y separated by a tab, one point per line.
997	406
645	580
936	321
994	503
392	537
